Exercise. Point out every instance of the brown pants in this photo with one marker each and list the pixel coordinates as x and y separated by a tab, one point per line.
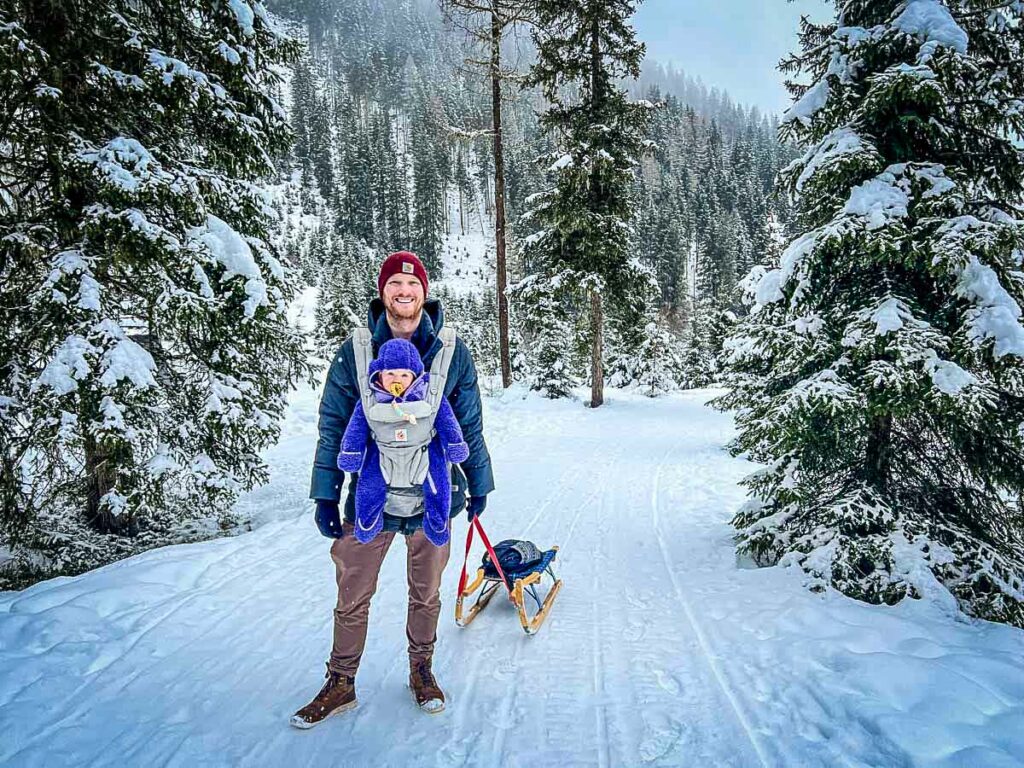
357	566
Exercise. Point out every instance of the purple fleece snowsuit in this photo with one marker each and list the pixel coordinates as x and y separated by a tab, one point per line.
359	453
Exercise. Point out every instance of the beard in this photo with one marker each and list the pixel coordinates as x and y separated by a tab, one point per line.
404	312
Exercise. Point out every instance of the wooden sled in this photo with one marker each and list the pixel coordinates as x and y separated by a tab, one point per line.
520	584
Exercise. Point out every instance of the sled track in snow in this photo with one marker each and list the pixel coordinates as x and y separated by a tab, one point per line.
561	535
464	700
509	698
597	653
684	602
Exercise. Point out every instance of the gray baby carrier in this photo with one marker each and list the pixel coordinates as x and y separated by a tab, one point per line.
404	459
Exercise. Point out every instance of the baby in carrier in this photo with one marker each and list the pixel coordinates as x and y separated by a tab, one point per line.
404	469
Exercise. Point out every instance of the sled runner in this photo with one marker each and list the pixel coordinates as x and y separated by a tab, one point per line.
517	565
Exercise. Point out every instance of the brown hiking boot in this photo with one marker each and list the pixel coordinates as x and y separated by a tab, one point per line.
429	696
337	695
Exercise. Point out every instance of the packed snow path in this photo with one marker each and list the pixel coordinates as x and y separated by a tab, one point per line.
661	649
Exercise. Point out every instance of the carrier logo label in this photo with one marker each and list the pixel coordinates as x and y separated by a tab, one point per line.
401	436
407	267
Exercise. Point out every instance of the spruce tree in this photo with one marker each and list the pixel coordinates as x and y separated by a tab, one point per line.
880	374
389	187
355	214
583	224
660	364
346	288
546	320
146	353
428	195
642	352
710	325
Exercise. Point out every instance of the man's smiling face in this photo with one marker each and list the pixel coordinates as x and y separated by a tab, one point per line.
403	297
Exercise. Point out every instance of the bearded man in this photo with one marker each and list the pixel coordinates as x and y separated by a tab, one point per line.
403	311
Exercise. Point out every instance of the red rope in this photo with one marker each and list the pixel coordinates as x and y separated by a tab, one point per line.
475	522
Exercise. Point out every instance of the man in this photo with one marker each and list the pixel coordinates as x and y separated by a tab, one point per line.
401	312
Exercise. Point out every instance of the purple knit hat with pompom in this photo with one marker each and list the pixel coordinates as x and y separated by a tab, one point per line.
395	354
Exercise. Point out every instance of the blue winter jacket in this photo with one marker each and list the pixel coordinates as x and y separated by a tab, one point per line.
341	393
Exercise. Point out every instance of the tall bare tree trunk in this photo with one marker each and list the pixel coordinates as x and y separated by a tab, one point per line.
499	197
596	363
462	203
445	217
596	310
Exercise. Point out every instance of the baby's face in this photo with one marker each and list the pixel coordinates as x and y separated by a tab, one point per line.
396	381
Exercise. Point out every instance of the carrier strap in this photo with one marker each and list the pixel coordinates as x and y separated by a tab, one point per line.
439	366
361	345
363	348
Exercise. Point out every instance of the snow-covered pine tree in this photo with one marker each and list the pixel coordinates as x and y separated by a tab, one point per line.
346	283
312	130
709	327
660	363
389	185
545	322
473	314
642	351
706	202
355	206
583	224
146	353
880	377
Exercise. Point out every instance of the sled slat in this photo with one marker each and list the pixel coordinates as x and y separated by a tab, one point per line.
481	602
530	626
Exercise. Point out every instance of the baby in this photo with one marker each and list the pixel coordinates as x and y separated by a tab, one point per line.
403	470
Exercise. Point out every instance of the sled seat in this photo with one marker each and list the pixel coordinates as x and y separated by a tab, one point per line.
524	566
515	573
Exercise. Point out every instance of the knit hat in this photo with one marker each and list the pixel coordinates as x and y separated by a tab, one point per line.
396	354
402	262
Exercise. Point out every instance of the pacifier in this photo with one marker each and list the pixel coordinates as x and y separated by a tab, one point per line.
396	388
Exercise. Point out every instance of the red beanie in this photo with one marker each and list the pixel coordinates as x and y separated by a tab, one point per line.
402	262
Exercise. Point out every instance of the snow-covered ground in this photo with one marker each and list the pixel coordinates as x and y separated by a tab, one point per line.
661	649
467	255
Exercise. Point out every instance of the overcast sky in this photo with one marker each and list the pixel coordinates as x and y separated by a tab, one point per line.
732	44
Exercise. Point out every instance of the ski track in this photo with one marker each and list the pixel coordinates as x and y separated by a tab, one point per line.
708	655
658	652
508	706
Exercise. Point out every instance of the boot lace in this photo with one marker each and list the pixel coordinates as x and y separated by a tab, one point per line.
333	679
426	675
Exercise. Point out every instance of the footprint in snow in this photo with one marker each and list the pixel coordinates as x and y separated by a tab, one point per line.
501	722
637	600
661	734
504	671
456	752
635	631
667	682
